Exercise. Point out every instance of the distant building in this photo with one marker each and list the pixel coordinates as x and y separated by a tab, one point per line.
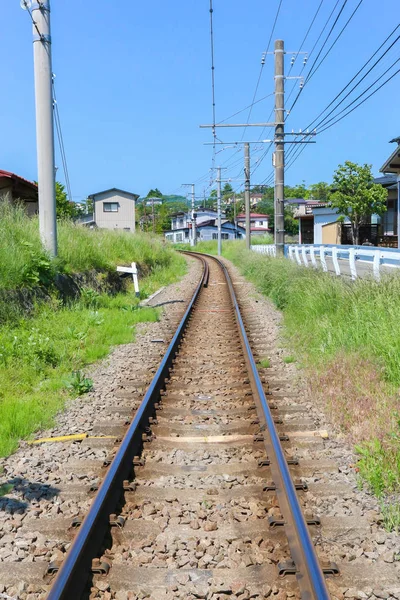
15	188
153	201
258	223
114	209
255	199
206	227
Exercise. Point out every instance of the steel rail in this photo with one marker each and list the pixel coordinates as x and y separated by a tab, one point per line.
309	573
73	576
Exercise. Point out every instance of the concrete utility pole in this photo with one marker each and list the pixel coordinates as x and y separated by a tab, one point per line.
279	156
44	125
153	217
219	210
193	240
247	192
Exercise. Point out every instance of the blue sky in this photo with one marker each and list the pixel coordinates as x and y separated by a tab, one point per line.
134	83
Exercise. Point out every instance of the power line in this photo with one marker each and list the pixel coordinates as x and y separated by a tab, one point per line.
27	8
245	108
212	80
365	99
262	65
310	75
60	137
323	46
355	76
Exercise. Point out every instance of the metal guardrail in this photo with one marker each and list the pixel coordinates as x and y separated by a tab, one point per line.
269	249
306	255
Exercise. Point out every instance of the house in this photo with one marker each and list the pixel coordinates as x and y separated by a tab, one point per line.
16	188
391	180
255	199
114	209
153	201
183	220
206	227
320	224
258	223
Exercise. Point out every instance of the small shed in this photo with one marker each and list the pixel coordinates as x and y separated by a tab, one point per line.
114	209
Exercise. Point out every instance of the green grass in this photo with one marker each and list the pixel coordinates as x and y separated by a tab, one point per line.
265	363
41	357
347	336
289	359
24	263
45	351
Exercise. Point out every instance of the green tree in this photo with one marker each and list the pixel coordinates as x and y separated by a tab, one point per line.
319	191
356	196
154	193
64	208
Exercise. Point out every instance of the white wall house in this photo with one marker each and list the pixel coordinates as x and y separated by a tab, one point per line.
258	223
182	220
114	209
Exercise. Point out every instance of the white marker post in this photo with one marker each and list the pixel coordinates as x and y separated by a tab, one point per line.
133	270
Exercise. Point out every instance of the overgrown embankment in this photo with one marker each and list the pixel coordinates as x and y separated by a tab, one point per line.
347	336
58	315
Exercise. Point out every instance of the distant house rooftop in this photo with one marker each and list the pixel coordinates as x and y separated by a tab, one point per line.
253	216
114	189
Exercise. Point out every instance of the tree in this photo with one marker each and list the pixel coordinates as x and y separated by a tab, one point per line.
319	191
64	208
154	193
356	196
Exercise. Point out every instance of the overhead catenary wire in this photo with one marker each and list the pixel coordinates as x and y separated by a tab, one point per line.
314	67
262	65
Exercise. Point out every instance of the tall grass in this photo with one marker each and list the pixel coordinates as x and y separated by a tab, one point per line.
23	261
40	349
347	337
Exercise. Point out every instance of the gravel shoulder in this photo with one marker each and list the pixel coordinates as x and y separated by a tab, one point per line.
37	473
375	548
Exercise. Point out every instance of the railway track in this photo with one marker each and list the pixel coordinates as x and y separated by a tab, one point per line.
203	496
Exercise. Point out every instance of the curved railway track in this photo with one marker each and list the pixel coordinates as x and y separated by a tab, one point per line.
200	483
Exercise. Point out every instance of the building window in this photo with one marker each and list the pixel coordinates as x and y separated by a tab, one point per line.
179	237
224	236
127	228
215	236
110	206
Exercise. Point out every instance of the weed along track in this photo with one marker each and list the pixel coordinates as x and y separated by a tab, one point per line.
210	483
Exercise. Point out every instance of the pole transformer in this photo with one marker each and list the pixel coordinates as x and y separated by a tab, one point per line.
279	155
44	125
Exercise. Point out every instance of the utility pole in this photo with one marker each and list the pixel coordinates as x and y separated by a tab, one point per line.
279	141
234	212
194	234
247	192
219	210
44	124
279	156
153	215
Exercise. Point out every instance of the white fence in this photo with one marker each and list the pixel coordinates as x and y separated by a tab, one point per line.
269	249
344	255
